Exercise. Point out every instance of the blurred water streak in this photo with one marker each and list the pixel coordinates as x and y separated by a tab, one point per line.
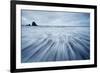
42	44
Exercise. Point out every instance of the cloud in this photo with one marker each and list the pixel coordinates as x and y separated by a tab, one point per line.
54	18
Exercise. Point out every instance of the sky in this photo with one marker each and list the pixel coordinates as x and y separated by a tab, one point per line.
55	18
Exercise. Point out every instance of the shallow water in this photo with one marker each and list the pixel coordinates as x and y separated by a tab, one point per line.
42	44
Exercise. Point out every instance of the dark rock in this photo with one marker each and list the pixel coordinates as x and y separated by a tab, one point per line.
28	25
34	24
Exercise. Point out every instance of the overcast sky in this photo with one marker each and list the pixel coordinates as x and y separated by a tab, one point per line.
53	18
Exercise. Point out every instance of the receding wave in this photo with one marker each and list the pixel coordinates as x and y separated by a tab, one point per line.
54	44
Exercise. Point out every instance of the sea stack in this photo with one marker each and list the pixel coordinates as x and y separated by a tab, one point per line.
34	24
